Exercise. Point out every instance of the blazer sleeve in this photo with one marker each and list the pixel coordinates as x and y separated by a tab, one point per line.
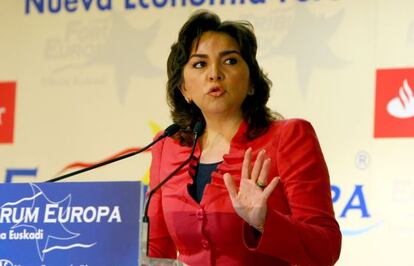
160	242
309	235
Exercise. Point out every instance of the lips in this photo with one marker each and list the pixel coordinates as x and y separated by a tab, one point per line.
216	91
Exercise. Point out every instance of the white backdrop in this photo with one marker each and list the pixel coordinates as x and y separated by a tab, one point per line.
89	82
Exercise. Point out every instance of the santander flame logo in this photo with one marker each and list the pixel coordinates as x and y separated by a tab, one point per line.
403	105
7	108
394	103
2	111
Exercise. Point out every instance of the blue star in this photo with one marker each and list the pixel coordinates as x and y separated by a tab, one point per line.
127	50
117	44
305	37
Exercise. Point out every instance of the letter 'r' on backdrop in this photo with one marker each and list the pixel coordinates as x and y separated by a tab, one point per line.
82	81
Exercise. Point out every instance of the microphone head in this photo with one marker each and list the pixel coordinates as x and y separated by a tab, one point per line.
198	128
171	130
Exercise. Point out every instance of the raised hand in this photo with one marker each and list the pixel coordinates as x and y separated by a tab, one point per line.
250	200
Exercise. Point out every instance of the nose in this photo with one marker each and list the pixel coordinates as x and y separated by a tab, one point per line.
215	73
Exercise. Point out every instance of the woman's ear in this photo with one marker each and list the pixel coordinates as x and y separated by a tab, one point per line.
251	89
182	88
185	93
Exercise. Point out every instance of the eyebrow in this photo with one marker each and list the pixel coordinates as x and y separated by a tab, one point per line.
223	53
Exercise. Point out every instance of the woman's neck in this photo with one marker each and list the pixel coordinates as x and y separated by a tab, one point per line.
216	139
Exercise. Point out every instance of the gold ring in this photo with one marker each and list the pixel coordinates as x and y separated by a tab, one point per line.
260	184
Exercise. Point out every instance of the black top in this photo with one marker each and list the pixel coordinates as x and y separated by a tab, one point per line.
201	179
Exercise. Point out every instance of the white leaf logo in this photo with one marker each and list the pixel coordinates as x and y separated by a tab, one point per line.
4	262
403	105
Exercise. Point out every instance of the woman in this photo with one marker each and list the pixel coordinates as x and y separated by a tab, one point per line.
257	192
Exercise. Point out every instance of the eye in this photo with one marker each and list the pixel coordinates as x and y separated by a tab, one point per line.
230	61
199	64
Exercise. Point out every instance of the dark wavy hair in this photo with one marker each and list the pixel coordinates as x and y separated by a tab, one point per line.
254	109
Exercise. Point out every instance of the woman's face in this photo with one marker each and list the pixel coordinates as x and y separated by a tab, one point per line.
216	77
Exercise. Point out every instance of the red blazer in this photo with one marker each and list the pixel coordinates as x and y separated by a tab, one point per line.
300	227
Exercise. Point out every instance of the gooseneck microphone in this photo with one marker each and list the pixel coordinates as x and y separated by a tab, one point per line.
168	132
198	130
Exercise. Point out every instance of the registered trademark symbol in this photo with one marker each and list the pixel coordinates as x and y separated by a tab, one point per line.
362	160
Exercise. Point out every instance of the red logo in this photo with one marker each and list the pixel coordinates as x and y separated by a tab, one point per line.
394	103
7	104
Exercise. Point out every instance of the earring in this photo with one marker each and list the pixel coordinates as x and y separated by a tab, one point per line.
250	91
187	100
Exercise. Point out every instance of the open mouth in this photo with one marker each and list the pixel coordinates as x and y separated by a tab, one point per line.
216	91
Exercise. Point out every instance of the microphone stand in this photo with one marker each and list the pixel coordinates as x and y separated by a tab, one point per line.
169	131
198	130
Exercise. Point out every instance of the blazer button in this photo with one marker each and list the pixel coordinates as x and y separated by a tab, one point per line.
200	214
205	244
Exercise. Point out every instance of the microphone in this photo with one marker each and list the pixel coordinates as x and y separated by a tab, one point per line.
168	132
198	130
